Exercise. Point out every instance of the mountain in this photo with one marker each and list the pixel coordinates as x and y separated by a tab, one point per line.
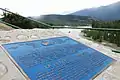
54	19
109	12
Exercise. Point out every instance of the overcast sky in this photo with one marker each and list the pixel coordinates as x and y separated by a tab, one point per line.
40	7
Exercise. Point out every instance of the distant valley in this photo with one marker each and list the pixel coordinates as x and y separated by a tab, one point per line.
83	17
70	20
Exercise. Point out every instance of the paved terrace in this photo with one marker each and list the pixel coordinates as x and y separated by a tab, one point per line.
10	72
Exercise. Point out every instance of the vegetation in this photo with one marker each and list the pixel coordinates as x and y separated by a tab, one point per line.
53	20
106	24
110	36
20	21
65	20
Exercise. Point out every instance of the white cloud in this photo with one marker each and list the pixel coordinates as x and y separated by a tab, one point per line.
38	7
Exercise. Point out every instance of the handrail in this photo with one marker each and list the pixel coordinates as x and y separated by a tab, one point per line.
100	29
13	26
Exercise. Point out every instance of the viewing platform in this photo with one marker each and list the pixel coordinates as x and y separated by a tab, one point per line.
11	68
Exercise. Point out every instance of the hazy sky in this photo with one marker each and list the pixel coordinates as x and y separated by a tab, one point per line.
39	7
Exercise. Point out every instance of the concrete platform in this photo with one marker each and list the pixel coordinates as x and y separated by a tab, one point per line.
111	73
8	71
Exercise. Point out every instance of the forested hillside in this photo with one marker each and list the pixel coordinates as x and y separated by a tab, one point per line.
110	36
61	20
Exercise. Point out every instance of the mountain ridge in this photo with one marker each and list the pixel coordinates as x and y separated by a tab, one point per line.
109	12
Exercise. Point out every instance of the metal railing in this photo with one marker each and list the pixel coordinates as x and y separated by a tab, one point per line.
53	27
100	29
26	17
13	26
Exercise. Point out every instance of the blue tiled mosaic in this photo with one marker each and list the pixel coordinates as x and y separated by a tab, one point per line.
60	58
